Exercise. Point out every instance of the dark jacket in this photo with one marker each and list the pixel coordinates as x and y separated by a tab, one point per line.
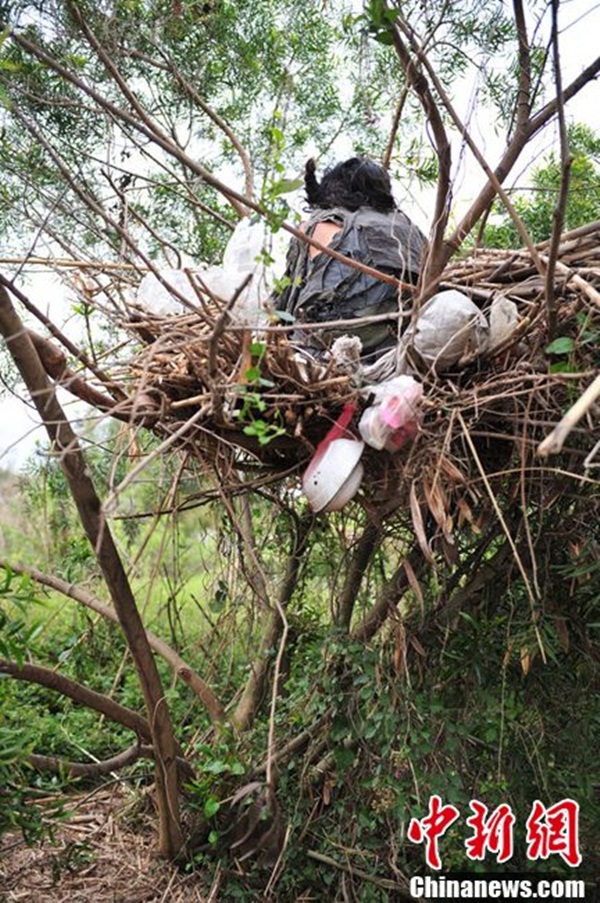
323	289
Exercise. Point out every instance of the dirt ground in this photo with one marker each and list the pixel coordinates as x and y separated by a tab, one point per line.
105	852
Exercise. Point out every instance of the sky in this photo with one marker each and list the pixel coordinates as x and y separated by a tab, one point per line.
579	25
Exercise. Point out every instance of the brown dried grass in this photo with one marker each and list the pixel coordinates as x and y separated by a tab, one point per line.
104	852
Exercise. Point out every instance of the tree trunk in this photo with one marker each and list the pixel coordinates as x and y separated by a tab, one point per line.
66	445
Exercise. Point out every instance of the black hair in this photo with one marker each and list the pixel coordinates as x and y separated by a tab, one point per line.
357	182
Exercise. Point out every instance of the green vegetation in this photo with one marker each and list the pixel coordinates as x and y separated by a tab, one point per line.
455	702
536	205
318	679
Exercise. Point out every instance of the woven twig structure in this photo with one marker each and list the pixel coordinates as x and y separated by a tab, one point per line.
239	390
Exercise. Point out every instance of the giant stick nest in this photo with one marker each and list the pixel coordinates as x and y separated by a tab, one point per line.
253	410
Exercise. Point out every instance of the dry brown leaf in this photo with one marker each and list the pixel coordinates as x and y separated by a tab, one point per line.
452	472
465	514
482	520
435	502
417	646
414	584
438	505
418	524
399	653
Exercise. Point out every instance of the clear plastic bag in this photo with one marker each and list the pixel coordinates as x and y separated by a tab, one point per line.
252	251
395	417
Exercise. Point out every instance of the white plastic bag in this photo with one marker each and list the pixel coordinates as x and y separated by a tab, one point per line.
504	319
449	327
394	418
247	254
253	250
155	297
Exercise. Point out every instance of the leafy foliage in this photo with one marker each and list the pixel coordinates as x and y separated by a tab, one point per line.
536	206
19	632
477	716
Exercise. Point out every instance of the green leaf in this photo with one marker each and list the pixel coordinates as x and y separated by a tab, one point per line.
561	367
284	186
561	345
217	766
5	100
384	37
211	807
252	374
285	316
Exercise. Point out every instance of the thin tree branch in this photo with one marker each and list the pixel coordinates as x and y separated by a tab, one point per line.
137	107
221	124
105	766
349	869
437	259
554	442
98	702
96	208
74	465
507	532
81	356
389	596
253	572
387	156
90	769
55	364
510	157
359	562
523	103
252	695
416	78
158	137
558	214
292	747
492	570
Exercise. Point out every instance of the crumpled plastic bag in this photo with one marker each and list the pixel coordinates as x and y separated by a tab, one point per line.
449	327
253	250
155	297
504	319
395	417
